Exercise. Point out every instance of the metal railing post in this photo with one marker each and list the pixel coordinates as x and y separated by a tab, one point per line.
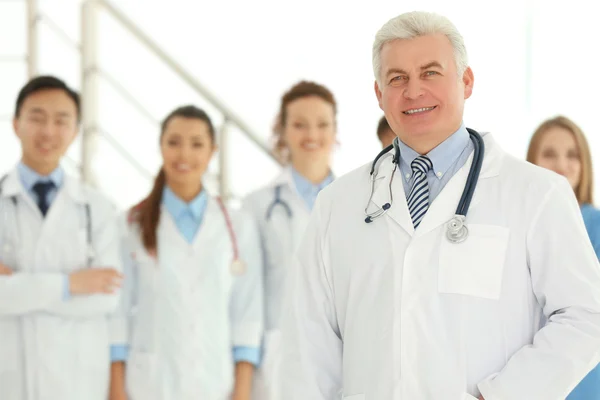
32	38
89	87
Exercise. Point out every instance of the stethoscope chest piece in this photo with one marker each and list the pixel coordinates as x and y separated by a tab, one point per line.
238	267
457	230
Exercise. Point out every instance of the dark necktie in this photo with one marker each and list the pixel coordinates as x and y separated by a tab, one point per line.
418	199
42	189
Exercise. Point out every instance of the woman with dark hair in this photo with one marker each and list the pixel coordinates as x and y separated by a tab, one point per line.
305	134
192	316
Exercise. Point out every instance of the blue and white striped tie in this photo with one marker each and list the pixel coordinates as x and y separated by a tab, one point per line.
418	198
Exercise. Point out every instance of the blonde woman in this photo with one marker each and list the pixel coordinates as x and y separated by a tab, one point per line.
559	144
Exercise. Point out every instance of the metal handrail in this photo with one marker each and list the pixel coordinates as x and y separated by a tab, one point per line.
126	94
188	78
59	31
8	58
124	153
90	84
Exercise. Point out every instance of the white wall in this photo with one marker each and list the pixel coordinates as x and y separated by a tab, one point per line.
249	53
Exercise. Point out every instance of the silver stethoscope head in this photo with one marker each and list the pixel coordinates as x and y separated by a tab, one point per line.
457	230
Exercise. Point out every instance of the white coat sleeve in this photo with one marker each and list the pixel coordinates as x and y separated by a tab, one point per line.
247	295
22	292
565	276
106	241
310	335
121	320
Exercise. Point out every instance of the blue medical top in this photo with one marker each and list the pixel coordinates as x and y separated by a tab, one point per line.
188	218
591	218
307	190
447	159
589	388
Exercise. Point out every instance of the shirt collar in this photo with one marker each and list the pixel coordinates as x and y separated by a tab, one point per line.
29	177
305	187
443	156
179	208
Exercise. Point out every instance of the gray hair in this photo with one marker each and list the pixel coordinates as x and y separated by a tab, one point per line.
414	24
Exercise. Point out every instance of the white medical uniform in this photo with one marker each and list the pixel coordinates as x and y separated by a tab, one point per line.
281	227
383	311
186	309
52	347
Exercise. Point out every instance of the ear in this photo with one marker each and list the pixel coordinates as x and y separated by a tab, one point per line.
468	80
15	124
379	95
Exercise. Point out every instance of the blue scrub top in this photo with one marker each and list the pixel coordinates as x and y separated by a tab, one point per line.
589	388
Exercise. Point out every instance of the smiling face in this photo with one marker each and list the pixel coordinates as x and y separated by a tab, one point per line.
558	152
309	130
187	147
46	126
421	93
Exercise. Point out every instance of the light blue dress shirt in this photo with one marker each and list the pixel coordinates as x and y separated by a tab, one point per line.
308	191
447	159
28	179
589	388
188	218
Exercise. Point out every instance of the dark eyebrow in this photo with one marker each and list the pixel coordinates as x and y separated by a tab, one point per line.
37	111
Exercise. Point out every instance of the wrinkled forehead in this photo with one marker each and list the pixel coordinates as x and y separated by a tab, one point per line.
413	54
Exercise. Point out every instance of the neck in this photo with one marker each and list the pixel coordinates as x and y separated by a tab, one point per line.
42	169
424	144
314	172
185	192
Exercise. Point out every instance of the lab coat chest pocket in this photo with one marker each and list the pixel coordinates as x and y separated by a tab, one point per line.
474	267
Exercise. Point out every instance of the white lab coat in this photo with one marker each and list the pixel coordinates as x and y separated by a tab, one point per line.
280	236
51	348
186	310
381	311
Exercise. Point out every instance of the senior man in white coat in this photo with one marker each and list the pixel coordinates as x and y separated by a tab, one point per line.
393	309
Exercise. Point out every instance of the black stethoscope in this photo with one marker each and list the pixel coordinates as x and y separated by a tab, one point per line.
8	247
277	200
457	230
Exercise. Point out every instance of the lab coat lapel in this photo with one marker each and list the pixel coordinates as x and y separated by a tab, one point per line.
399	209
66	211
213	227
445	204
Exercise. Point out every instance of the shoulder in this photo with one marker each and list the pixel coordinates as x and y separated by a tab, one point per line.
529	179
349	184
591	216
258	198
101	206
240	220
